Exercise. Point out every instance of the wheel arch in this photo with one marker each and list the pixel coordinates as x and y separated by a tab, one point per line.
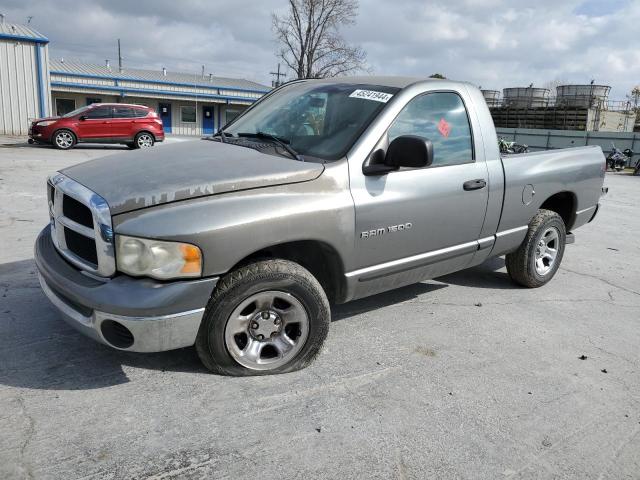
320	258
564	204
144	130
68	129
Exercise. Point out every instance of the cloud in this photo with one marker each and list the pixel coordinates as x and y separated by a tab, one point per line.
493	43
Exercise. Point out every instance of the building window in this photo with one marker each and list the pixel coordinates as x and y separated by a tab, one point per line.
188	114
91	100
231	113
64	106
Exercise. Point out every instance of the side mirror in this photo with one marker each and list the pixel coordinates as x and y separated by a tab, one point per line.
82	118
408	151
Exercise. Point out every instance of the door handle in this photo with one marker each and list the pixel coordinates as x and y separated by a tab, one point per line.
476	184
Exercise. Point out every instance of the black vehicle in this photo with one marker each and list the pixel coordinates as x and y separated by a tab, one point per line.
636	171
618	159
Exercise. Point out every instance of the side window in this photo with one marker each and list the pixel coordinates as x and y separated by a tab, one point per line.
139	112
99	112
441	118
123	112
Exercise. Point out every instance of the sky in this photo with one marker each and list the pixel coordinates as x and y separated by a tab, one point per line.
491	43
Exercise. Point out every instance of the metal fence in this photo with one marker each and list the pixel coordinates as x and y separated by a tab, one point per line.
552	139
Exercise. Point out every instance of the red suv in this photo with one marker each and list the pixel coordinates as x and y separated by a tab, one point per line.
136	126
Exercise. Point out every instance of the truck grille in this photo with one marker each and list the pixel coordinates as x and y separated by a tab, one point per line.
76	211
81	226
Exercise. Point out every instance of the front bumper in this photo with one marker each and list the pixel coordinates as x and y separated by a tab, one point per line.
134	314
40	134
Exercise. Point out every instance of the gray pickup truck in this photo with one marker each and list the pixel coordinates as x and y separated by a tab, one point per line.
322	192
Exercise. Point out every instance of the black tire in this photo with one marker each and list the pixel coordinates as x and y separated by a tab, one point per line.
252	279
64	139
521	264
149	140
132	146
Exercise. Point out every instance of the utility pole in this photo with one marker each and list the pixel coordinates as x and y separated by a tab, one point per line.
119	58
276	83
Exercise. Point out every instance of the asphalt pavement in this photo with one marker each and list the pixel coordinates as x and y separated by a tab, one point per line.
465	376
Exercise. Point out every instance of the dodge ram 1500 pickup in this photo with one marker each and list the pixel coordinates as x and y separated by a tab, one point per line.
322	192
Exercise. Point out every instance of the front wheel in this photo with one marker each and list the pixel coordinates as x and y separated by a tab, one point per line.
267	317
64	139
537	259
143	140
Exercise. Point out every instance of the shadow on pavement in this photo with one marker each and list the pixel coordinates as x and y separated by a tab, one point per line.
367	304
38	350
485	275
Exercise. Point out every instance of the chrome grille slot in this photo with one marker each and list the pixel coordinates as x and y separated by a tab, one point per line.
76	211
81	227
82	246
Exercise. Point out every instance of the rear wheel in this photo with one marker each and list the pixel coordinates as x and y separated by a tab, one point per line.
143	140
64	139
537	259
265	318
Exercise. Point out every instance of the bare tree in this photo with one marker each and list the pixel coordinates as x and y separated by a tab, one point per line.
310	41
552	86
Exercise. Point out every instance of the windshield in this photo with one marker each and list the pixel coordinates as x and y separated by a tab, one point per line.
75	112
316	119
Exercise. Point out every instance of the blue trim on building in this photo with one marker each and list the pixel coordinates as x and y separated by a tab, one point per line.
156	82
122	91
41	90
23	38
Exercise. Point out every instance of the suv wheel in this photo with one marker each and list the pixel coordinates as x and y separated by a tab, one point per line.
538	258
144	140
64	139
264	318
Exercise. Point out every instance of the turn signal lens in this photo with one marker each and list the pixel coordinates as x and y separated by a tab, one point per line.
192	259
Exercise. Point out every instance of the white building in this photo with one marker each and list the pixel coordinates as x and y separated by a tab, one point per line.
188	104
24	78
32	86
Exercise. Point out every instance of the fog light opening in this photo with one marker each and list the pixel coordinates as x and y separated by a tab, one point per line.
116	334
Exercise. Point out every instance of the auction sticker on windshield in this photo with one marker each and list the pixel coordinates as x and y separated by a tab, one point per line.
372	95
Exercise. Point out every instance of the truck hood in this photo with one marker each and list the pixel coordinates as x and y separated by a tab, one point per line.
185	170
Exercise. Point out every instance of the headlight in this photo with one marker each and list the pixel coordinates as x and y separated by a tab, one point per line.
157	259
46	123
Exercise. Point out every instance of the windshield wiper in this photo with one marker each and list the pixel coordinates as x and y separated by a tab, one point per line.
283	142
223	137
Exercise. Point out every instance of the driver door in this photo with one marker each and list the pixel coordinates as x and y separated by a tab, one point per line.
413	224
96	124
